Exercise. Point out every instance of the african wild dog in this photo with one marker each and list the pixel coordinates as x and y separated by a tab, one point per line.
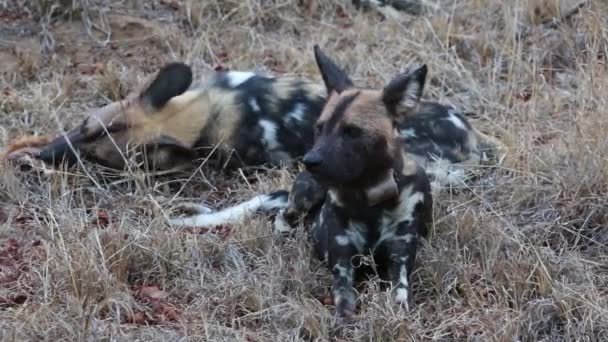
375	198
249	119
253	119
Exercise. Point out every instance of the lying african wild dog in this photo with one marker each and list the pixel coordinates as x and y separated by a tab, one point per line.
252	120
366	193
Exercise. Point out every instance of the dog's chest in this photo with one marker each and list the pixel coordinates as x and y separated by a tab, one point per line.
367	229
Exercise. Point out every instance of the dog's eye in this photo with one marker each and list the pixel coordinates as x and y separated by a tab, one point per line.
351	131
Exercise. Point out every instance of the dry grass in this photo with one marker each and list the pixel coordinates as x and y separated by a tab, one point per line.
523	260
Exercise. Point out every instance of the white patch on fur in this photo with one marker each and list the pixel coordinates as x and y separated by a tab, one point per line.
335	198
280	225
254	104
271	143
231	215
410	98
408	133
270	133
401	295
407	237
357	234
297	114
236	78
343	272
403	212
456	120
342	240
445	173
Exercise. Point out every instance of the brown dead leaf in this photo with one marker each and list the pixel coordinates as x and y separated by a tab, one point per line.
101	219
167	312
139	317
152	293
25	143
223	56
159	310
524	95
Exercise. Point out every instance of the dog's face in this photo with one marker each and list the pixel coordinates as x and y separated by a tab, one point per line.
355	138
152	126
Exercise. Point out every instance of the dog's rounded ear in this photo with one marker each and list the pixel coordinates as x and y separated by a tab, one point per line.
172	80
402	93
334	77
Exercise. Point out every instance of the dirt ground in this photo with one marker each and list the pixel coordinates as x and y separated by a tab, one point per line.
85	255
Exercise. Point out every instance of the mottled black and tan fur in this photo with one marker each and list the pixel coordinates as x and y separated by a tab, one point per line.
250	119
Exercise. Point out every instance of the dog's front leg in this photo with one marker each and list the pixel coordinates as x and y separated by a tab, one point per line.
402	255
340	252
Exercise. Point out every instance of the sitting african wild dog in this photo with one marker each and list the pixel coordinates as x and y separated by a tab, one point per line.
249	119
375	198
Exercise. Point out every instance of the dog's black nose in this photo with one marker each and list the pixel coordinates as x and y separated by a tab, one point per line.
312	160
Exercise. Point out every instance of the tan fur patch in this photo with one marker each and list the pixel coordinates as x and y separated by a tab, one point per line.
369	113
385	189
330	107
410	167
26	142
282	90
183	118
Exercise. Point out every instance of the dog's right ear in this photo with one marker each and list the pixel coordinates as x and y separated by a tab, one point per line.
402	94
172	80
334	77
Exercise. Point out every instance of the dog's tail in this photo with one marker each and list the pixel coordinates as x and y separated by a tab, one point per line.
270	203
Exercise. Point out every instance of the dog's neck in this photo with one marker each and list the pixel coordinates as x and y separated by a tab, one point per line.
374	189
385	189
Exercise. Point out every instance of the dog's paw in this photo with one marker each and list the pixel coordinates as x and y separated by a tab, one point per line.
281	225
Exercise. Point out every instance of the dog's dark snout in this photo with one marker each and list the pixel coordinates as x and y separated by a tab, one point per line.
312	160
58	151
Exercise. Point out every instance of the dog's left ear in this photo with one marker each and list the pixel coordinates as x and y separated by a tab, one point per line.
334	77
401	95
172	80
